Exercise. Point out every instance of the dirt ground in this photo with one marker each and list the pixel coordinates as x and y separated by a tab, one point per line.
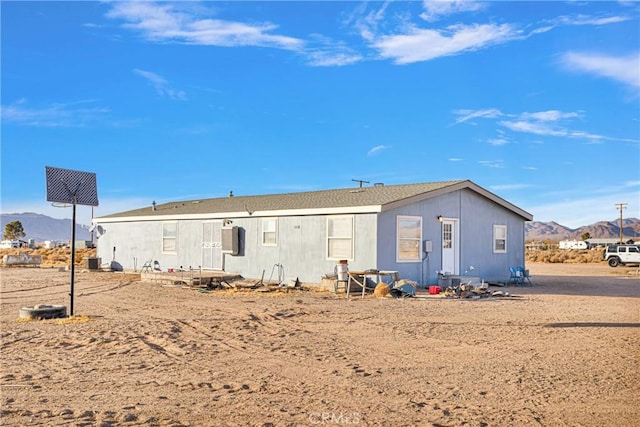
562	352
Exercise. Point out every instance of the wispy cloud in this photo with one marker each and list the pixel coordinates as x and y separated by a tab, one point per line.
466	115
498	141
181	23
378	148
418	44
434	10
554	123
623	69
329	52
495	164
74	114
161	85
590	20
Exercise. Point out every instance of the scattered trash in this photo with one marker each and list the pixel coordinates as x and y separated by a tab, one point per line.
404	289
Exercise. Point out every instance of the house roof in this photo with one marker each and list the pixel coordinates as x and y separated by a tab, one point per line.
345	200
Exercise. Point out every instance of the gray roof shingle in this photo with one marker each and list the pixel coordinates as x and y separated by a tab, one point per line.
325	199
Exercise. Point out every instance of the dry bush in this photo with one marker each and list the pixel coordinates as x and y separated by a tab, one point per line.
566	256
57	257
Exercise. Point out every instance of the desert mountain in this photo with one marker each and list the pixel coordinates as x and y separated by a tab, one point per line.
41	227
535	230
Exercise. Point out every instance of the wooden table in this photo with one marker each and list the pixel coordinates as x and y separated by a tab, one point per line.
378	275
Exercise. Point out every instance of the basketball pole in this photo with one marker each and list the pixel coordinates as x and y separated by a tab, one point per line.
73	255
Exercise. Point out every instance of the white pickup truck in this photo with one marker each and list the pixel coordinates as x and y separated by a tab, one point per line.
617	255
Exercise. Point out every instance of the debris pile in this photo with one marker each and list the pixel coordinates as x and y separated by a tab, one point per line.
467	290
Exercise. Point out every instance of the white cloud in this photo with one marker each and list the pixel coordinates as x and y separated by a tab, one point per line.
623	69
550	115
73	114
161	85
331	53
590	20
425	44
180	23
455	159
377	149
433	10
498	141
544	123
494	164
466	115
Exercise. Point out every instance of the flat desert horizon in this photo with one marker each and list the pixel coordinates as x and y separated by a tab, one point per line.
562	352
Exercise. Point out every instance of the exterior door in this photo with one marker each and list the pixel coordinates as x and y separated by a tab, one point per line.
449	247
212	245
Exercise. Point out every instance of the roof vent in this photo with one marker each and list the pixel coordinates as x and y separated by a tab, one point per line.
378	184
153	205
230	193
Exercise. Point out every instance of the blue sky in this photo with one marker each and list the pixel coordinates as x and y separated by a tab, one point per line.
538	102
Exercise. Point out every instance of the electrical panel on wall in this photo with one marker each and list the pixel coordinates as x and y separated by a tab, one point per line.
230	240
427	246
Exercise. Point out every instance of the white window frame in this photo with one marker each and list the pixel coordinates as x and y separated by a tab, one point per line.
400	239
273	221
499	234
351	237
167	238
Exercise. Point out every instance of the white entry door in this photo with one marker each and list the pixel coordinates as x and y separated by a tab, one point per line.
212	245
449	247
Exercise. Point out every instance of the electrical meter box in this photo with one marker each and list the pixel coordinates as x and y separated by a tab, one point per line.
230	240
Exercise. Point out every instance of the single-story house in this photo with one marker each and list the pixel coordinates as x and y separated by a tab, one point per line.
418	230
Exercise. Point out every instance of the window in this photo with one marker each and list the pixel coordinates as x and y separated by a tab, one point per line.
340	237
169	237
499	238
409	233
270	232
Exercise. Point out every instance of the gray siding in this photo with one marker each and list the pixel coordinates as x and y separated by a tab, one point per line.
301	248
302	242
477	216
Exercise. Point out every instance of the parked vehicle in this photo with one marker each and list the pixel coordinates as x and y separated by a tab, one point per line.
573	244
617	255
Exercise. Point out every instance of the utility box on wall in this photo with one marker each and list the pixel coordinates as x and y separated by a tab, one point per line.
230	240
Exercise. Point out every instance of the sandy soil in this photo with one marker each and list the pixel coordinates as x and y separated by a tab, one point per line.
563	352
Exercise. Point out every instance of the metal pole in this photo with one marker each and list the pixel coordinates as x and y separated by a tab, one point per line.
73	257
621	206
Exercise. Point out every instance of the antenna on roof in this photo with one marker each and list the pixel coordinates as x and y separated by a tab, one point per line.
361	181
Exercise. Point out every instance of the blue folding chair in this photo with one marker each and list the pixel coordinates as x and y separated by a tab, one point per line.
514	277
524	275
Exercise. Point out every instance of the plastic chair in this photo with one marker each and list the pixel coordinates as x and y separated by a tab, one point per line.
515	278
146	267
524	275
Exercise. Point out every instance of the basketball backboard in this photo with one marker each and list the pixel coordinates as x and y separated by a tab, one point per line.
71	187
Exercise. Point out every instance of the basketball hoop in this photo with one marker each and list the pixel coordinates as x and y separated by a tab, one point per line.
66	187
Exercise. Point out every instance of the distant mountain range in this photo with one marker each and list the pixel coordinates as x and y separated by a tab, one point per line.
552	231
41	227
